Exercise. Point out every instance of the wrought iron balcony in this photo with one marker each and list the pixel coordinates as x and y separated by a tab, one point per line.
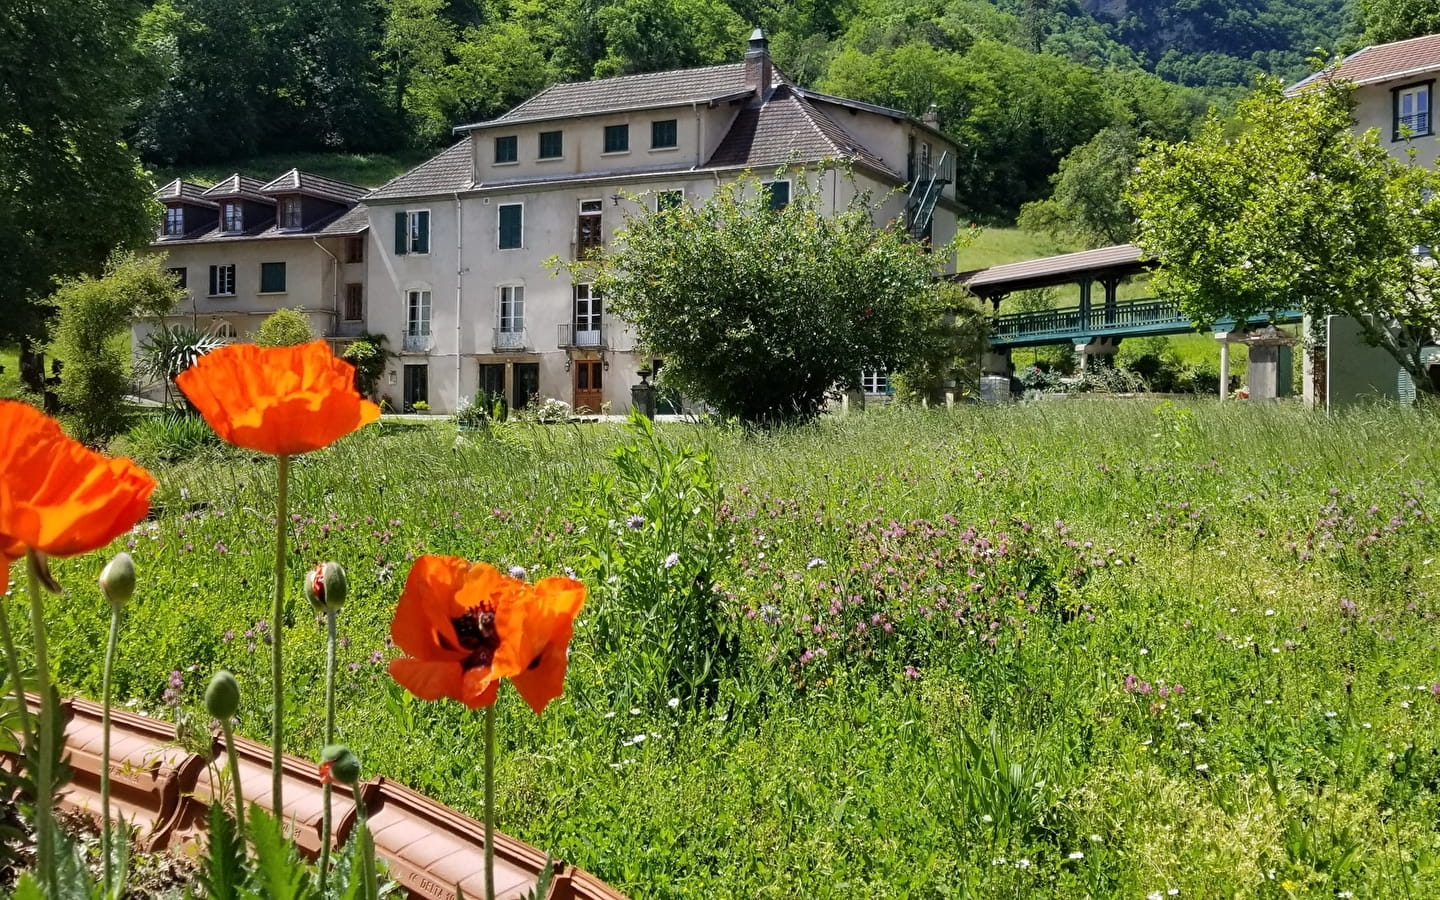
416	343
575	335
509	340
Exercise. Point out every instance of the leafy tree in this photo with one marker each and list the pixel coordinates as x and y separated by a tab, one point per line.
651	35
1295	211
284	328
763	313
495	68
367	354
94	316
1396	20
70	190
413	54
1088	203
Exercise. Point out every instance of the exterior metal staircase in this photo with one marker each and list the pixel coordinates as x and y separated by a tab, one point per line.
927	183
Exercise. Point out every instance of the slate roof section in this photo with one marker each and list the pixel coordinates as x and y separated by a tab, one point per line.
787	128
342	223
1053	270
627	92
298	182
450	171
242	186
179	191
1383	62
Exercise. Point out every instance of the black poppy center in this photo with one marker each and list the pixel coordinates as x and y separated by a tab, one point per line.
476	632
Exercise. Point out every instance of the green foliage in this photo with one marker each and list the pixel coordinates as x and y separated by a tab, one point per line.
1294	212
284	327
651	35
169	438
1396	20
657	545
368	355
171	349
1088	203
762	313
73	192
94	318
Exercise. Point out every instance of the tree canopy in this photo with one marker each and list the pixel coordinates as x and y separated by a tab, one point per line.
1287	208
763	312
70	190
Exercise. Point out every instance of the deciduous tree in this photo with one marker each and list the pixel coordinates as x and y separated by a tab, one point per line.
1287	208
764	312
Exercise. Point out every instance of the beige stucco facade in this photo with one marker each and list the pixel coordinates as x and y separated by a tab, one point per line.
1375	107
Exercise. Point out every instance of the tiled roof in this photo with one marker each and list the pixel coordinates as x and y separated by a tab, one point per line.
647	91
179	191
446	173
1052	270
1384	62
354	220
787	128
298	182
238	185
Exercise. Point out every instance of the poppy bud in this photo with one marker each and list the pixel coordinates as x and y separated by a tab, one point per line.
339	763
326	586
222	697
117	580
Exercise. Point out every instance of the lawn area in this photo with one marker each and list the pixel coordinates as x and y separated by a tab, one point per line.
365	169
10	378
1079	649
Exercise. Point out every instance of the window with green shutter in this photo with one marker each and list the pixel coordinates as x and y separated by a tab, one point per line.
272	278
507	149
412	232
512	224
777	194
552	144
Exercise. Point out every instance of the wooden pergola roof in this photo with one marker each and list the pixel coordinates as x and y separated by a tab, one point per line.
1118	261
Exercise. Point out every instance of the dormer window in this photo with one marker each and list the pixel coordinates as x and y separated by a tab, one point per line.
231	216
174	221
290	213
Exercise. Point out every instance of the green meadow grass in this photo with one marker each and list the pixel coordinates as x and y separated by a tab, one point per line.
1080	649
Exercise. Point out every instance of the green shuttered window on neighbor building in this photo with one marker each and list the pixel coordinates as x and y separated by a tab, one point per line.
511	226
412	232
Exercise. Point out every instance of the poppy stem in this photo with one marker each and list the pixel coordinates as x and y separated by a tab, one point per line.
366	845
105	838
326	821
490	802
227	729
45	751
12	664
277	629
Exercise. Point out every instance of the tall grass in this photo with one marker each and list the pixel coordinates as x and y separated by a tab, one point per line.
1076	649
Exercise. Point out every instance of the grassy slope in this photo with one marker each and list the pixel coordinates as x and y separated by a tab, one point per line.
1235	541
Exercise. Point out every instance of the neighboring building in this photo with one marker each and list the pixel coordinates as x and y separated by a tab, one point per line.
457	249
1394	94
245	248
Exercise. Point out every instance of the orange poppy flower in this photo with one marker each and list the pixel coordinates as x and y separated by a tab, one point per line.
56	495
465	627
277	400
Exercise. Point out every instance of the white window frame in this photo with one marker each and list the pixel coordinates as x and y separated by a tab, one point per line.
680	192
228	268
510	308
232	213
594	314
174	221
418	312
412	232
875	382
592	209
521	244
1421	97
286	207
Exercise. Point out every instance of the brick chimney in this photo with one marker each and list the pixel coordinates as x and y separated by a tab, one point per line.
757	64
932	117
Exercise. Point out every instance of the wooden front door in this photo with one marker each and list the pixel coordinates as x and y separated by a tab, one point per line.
588	385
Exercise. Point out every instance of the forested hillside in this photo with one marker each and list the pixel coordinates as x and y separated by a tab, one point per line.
1019	82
